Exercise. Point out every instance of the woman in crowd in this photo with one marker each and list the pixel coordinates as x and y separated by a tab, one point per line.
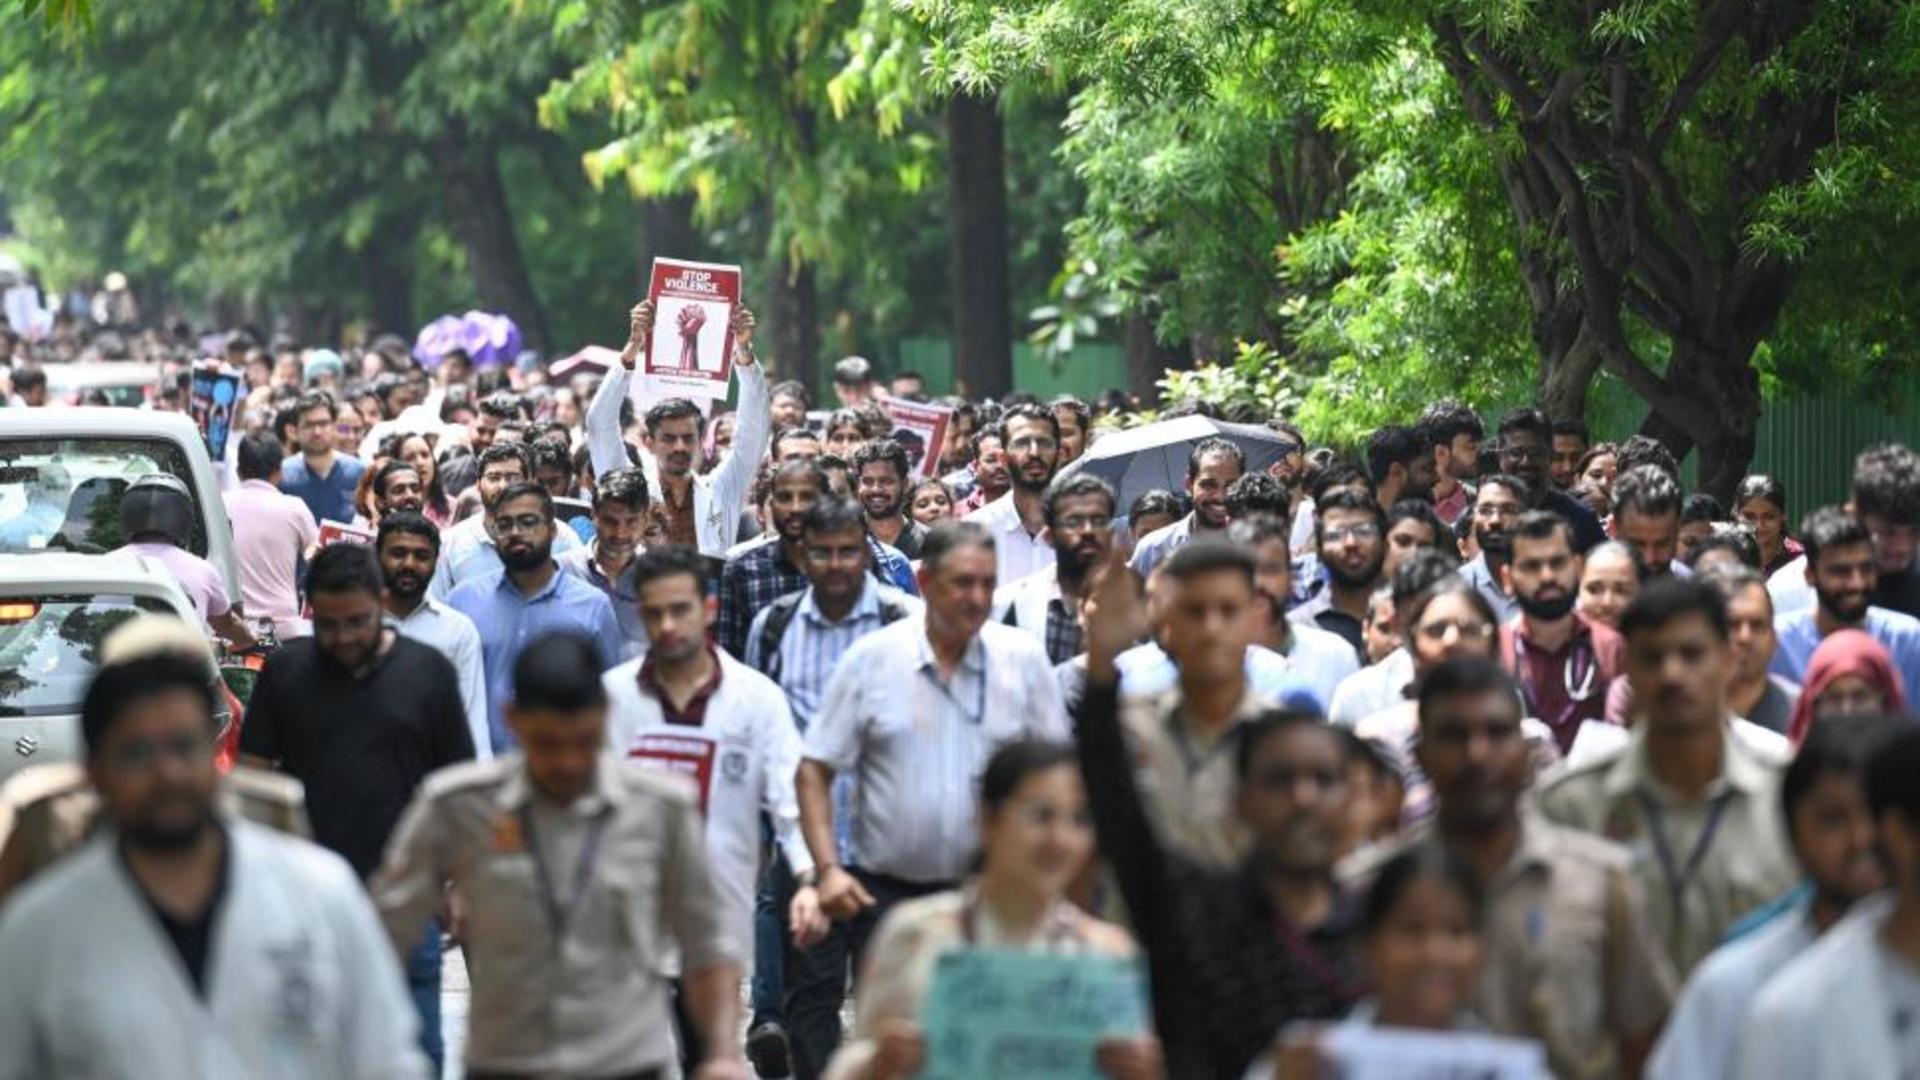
1035	837
1446	621
416	451
1850	674
1760	503
930	502
1598	466
1608	583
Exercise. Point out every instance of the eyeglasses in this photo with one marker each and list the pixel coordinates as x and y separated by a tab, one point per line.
1038	443
1350	532
837	555
524	523
1524	453
1465	629
139	755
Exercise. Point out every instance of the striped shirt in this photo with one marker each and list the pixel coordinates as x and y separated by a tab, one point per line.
915	744
812	646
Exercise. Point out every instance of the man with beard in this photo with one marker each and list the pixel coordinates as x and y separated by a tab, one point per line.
1212	467
1825	799
360	715
687	708
798	641
1497	506
1351	542
318	475
1079	514
702	507
529	598
1843	571
1031	436
1526	450
1885	494
880	471
468	551
212	932
1400	459
1700	802
1646	517
986	478
397	487
913	712
1319	658
408	546
1563	662
1570	441
1455	432
1571	958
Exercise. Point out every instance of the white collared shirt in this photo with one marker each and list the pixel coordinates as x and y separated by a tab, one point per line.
916	745
1017	552
1702	1037
438	626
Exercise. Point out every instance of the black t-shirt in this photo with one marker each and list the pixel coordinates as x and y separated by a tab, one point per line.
361	746
193	937
1587	533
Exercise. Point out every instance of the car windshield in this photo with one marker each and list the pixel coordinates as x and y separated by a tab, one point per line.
64	494
50	645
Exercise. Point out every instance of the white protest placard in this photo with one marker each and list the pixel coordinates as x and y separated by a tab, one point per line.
691	351
921	429
1364	1052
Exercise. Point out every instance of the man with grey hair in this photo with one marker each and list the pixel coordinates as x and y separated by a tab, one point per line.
913	712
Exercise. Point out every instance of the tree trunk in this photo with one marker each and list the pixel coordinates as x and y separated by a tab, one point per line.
1566	372
977	221
1147	359
477	212
794	328
387	264
667	232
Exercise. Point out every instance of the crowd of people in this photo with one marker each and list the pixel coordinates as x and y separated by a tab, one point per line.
1480	733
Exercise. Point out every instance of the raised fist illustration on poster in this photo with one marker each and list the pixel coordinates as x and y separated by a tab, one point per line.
691	318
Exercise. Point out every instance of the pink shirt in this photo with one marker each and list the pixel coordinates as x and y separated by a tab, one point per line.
271	531
197	577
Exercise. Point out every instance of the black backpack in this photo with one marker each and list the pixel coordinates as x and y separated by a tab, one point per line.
780	615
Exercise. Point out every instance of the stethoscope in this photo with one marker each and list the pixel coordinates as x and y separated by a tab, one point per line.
1578	675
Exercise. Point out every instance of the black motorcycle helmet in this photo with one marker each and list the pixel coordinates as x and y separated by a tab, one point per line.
157	503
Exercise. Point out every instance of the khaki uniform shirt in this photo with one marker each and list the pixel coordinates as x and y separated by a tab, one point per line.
1572	960
577	916
1702	864
48	811
1188	781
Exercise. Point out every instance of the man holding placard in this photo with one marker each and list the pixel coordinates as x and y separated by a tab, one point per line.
701	510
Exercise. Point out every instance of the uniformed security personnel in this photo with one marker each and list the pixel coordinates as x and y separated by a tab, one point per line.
1571	959
586	889
1697	803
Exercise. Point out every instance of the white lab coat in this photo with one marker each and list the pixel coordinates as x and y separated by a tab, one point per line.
302	980
1824	1016
720	495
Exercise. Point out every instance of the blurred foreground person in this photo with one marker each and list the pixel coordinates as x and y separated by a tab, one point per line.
1034	838
185	943
586	890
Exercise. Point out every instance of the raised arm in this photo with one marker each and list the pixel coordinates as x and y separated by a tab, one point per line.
733	476
605	446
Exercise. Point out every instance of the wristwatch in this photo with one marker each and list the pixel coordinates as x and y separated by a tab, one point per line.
807	879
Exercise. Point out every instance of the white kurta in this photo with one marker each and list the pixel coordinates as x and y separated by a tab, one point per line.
301	979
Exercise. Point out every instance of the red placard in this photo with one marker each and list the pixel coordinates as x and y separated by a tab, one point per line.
339	532
691	351
682	755
922	430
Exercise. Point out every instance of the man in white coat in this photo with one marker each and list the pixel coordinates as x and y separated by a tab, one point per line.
183	944
703	510
687	707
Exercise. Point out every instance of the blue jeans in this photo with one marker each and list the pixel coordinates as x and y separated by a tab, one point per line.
423	978
770	905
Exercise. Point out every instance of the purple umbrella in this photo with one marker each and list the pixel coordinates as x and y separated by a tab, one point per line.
492	340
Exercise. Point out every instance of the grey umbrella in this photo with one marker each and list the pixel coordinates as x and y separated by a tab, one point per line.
1154	455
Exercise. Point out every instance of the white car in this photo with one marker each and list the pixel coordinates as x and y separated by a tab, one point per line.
122	382
62	472
55	610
